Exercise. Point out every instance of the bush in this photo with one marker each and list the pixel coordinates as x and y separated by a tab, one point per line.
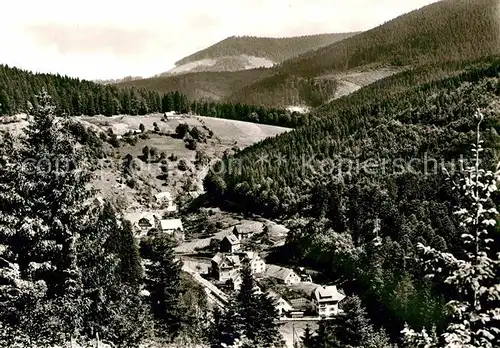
113	140
191	144
196	134
181	130
182	165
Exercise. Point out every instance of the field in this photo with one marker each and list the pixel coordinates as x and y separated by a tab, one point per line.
227	135
353	80
109	181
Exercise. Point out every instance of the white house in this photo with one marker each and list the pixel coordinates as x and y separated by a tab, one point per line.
283	274
165	200
172	227
225	266
257	264
282	305
325	300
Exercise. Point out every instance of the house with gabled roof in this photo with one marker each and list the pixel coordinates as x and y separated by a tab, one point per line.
172	227
246	231
257	264
230	244
225	266
142	222
282	305
325	300
165	200
283	274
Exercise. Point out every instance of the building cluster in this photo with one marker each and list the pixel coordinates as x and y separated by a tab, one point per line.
226	266
144	222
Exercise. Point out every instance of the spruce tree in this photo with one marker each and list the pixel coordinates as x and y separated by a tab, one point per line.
308	338
257	313
163	284
117	313
50	191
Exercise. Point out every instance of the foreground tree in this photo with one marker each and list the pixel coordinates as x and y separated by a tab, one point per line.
248	321
474	272
58	281
350	329
163	284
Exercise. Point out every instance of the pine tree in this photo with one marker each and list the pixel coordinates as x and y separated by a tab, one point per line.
163	284
257	313
475	272
50	190
308	338
217	329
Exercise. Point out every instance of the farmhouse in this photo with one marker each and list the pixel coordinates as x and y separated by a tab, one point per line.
243	232
282	305
225	266
325	300
172	227
230	244
142	222
165	200
283	274
304	276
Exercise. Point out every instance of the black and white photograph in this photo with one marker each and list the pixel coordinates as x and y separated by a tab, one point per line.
250	174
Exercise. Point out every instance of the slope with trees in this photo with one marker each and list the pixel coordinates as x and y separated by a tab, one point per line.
448	30
365	207
70	268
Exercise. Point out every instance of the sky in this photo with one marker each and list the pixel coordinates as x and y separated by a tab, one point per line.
105	39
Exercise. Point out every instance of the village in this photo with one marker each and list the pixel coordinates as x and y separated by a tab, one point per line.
215	263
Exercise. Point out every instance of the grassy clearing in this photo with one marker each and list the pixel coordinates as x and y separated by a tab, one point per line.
227	134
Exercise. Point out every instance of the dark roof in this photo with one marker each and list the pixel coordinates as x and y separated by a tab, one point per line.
300	304
232	239
247	228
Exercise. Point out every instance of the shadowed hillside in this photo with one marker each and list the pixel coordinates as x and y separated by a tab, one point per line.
206	85
366	177
446	30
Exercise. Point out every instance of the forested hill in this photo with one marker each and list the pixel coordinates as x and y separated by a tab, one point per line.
444	31
77	97
74	96
378	141
274	49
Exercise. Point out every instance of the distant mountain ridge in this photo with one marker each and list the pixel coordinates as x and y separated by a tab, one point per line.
449	30
248	52
275	49
114	81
